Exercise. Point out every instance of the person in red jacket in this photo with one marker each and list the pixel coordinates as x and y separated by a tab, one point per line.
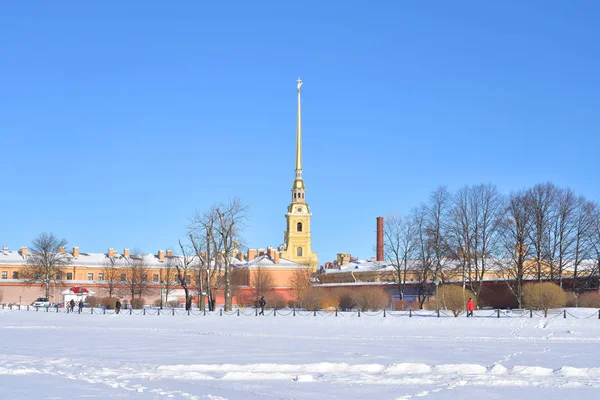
470	307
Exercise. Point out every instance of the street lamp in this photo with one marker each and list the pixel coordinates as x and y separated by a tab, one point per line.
436	281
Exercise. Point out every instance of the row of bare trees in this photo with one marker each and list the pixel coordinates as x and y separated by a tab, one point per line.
538	233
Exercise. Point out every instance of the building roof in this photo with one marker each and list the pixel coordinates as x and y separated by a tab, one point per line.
13	257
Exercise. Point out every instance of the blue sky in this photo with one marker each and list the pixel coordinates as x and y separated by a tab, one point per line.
119	119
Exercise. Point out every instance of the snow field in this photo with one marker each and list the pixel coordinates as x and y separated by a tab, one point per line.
110	356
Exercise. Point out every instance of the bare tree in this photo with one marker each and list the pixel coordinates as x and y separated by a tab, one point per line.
436	226
423	265
474	232
300	281
261	280
231	217
207	276
111	281
400	245
136	275
515	231
540	207
46	260
168	279
593	211
184	267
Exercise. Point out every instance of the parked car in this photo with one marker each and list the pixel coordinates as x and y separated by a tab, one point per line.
41	302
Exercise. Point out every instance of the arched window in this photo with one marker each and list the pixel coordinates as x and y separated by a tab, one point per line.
299	227
294	194
299	251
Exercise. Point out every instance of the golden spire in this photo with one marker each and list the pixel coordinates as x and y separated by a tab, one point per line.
299	135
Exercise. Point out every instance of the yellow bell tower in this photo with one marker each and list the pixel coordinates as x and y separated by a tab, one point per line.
297	238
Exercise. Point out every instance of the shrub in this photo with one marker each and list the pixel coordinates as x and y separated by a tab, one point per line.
108	302
543	296
572	299
347	300
156	303
454	298
311	299
590	300
401	305
244	298
137	303
292	303
275	300
173	303
93	301
329	300
371	299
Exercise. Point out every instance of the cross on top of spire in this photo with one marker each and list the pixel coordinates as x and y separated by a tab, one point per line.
299	83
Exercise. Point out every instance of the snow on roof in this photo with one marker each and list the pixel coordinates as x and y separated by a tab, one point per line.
491	264
266	262
150	260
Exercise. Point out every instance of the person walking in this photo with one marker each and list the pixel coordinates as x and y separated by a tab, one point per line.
117	306
470	307
80	306
262	302
72	305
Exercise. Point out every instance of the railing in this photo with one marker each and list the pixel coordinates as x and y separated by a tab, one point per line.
256	312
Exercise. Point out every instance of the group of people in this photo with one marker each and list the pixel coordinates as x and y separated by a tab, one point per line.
71	306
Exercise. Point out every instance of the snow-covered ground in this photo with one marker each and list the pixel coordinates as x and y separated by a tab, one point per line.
58	356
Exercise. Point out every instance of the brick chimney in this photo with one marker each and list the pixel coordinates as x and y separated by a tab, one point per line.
379	238
169	253
276	259
75	252
111	252
251	254
161	255
23	251
261	252
240	256
61	250
126	253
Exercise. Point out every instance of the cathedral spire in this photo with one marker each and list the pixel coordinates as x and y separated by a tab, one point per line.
299	136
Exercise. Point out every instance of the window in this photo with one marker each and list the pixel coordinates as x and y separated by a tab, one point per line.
4	274
299	227
100	276
155	277
90	276
145	278
299	251
59	275
188	279
15	275
69	276
123	277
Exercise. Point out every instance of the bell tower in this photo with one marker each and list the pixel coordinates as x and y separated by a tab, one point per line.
297	238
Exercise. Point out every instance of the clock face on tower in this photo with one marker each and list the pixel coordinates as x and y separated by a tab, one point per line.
299	209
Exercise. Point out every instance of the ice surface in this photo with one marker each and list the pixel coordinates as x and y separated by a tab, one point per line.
51	356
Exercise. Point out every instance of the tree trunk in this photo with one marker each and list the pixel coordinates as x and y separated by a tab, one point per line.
227	277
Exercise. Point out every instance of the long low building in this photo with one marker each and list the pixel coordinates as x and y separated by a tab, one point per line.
101	271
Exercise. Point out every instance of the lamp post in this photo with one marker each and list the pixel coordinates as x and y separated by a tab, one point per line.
436	281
